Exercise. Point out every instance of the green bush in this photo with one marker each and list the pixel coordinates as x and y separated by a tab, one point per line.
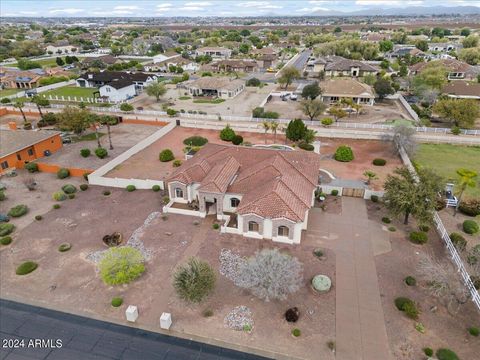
410	281
83	187
177	163
458	241
64	247
121	265
18	211
26	268
85	153
407	306
126	107
131	188
305	146
386	220
5	240
63	173
374	198
428	351
31	167
418	237
327	121
166	155
344	154
470	227
101	152
474	331
106	193
156	188
85	176
379	162
69	189
253	82
237	140
296	332
6	229
424	228
470	207
71	196
195	141
392	229
227	133
117	301
334	192
2	195
59	196
446	354
171	112
194	280
38	217
455	130
216	226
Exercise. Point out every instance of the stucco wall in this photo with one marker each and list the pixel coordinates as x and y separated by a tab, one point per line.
226	202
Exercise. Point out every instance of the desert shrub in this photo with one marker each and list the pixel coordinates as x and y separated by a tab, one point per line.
428	351
424	228
292	314
374	198
446	354
156	188
392	229
5	240
344	153
474	331
470	207
121	265
296	332
59	196
63	173
407	306
216	226
410	281
386	220
418	237
379	162
6	229
305	146
83	187
85	153
470	227
195	141
2	195
334	192
177	163
455	130
171	112
18	210
31	167
131	188
117	301
237	140
194	280
400	302
166	155
64	247
458	241
106	193
327	121
26	268
207	313
38	217
227	133
126	107
69	189
166	199
71	196
101	152
253	82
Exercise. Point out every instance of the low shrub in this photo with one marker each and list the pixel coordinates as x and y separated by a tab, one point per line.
71	196
418	237
126	107
305	146
101	152
166	155
392	229
106	193
455	130
410	281
171	112
63	173
237	140
2	195
424	228
85	153
400	302
470	207
334	192
474	331
374	198
26	268
121	265
6	229
59	196
379	162
18	211
117	301
156	188
428	351
177	163
386	220
407	306
446	354
131	188
83	187
69	189
166	199
344	153
470	227
318	253
458	241
207	313
227	133
31	167
296	332
327	121
195	141
292	315
38	217
216	226
5	240
64	247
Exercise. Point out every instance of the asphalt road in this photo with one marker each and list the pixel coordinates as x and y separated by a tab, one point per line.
73	337
301	60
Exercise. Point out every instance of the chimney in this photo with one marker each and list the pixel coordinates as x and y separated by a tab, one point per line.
12	125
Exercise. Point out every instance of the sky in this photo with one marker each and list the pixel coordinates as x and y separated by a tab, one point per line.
168	8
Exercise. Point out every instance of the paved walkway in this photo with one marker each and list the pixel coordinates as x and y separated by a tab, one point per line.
360	324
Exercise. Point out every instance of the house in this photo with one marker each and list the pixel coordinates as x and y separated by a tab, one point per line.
214	52
334	90
141	46
265	57
457	70
61	47
259	193
118	91
97	79
18	79
404	50
462	90
223	88
177	61
232	66
19	147
105	60
339	66
444	47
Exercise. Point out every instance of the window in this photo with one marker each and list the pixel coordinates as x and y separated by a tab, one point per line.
107	89
283	231
4	165
178	193
19	157
234	202
253	226
30	152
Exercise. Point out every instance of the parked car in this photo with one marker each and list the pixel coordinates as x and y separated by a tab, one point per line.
294	97
66	139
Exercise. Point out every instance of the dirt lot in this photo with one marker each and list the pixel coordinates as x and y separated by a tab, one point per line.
18	119
442	329
85	220
454	224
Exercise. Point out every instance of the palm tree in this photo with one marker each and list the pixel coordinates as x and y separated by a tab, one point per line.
266	127
108	120
40	102
284	130
274	126
370	175
19	104
357	108
93	120
467	179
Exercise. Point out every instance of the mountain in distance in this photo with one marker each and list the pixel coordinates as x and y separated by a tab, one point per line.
412	10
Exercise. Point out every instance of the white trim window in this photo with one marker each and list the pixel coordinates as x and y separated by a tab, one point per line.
253	226
283	231
178	193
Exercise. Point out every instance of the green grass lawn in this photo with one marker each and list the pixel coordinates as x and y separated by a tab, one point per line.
46	63
6	92
208	101
445	159
87	137
71	91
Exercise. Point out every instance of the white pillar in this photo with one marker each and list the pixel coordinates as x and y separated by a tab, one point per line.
131	313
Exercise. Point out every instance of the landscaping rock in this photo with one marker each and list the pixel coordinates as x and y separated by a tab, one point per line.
321	283
238	318
229	263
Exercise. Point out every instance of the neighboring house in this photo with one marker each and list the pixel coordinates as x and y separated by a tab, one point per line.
18	79
232	66
106	60
118	91
19	147
404	50
334	90
141	46
339	66
214	52
444	47
457	70
462	90
163	66
266	57
375	37
259	193
223	88
60	49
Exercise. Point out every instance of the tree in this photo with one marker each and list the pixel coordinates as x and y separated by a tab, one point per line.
74	119
370	176
108	120
59	61
274	126
270	274
121	265
461	112
385	45
337	112
403	70
244	48
470	56
468	178
433	75
287	75
126	107
470	42
266	127
194	280
156	89
40	102
311	91
465	32
403	136
295	130
309	136
19	104
312	108
383	87
407	195
421	45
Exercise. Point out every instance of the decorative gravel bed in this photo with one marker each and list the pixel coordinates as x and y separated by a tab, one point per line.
239	319
229	262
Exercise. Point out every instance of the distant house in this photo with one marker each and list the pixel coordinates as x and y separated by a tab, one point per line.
462	90
19	79
214	52
177	61
339	66
233	66
444	47
334	90
223	88
457	70
60	48
265	57
106	60
404	50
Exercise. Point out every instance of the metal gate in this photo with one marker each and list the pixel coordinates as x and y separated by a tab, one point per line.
353	192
